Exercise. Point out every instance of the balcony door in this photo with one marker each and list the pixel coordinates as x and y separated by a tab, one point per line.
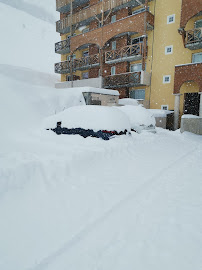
136	68
191	103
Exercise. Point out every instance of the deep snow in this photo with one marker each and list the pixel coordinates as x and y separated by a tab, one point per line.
72	203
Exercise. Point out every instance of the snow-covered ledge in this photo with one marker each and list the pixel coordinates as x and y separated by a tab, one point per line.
191	123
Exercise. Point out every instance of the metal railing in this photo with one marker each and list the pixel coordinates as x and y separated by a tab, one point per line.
193	36
62	67
86	61
124	79
87	13
128	51
62	45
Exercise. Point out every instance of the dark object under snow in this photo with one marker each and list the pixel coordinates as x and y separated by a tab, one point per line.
103	134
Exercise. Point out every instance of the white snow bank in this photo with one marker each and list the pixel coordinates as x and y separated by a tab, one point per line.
27	41
138	115
90	117
128	101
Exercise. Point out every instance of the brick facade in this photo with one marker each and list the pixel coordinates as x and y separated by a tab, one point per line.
186	73
190	8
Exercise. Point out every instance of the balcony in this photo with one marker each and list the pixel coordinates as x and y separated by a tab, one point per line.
86	62
63	47
78	64
128	53
85	16
99	36
62	67
128	79
63	6
193	39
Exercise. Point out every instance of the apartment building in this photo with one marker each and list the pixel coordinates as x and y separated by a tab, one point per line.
147	50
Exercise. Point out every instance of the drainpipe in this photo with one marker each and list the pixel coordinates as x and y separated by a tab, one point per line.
145	36
177	111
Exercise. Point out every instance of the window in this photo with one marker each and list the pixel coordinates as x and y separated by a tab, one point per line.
113	45
113	18
166	79
169	49
197	58
137	40
171	19
198	24
85	53
85	75
85	30
136	68
68	78
140	10
164	107
69	57
113	70
137	94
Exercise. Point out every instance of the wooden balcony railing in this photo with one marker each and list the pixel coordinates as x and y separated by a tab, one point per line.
193	36
123	80
62	46
62	3
87	13
80	63
125	52
86	62
62	67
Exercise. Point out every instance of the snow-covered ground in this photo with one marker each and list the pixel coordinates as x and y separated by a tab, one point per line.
72	203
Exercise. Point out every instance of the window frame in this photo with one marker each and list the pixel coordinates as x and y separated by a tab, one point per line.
168	19
113	68
83	75
166	76
193	54
136	91
113	42
139	64
112	18
166	52
164	106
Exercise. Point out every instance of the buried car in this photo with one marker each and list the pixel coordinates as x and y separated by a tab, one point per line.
90	121
141	119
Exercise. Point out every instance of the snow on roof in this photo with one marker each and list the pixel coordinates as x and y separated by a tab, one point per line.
138	115
160	113
90	117
94	90
128	101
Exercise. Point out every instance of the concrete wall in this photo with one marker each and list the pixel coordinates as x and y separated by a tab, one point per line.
193	125
94	82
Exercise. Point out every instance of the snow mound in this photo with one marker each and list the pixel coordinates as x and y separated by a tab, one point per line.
90	117
128	101
138	115
31	43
